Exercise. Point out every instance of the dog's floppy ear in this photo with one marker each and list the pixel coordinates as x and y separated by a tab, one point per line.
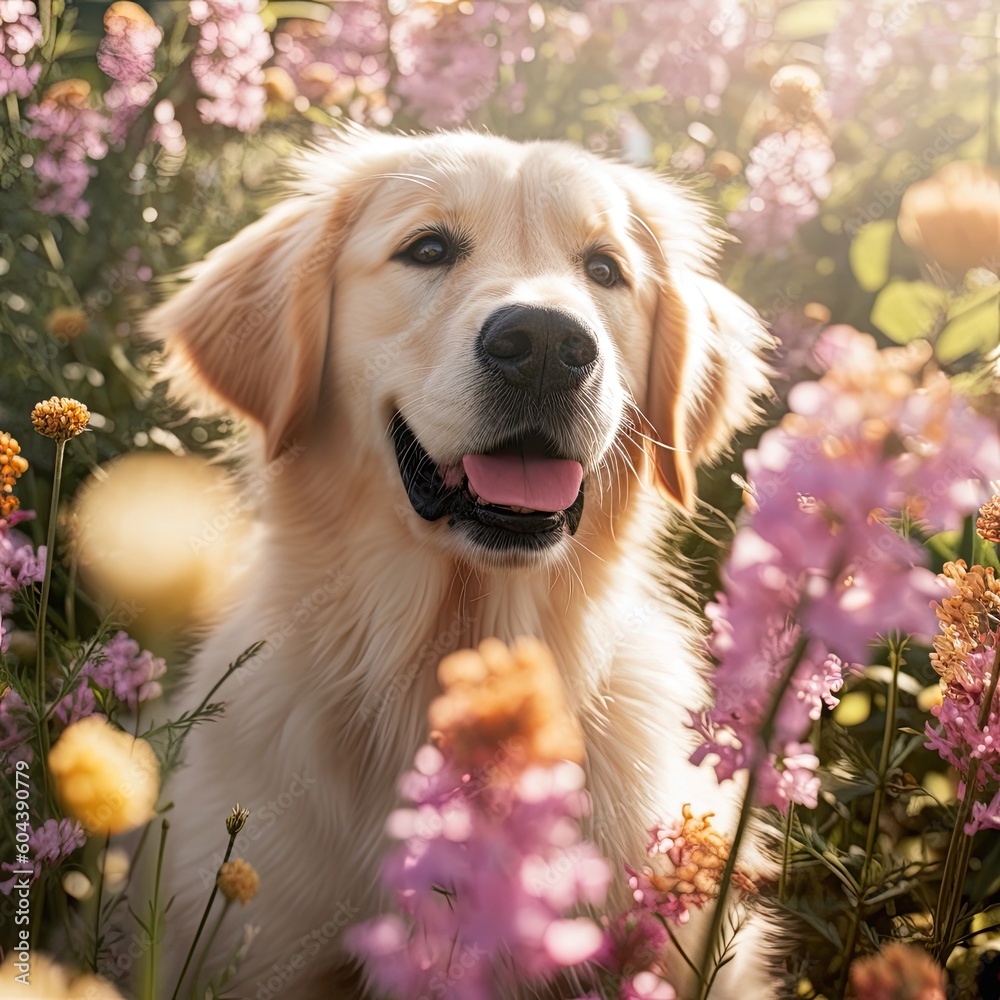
705	369
252	322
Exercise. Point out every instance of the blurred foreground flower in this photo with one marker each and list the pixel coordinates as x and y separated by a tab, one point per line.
60	418
953	217
819	571
144	556
104	777
488	869
44	980
12	467
898	972
511	698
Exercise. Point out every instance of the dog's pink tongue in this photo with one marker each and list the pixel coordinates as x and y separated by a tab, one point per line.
515	480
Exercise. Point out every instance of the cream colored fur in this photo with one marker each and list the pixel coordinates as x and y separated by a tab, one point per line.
305	325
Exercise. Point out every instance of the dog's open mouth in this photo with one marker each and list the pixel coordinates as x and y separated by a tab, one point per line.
520	494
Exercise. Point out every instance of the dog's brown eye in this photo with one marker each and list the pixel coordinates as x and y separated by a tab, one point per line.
430	249
604	270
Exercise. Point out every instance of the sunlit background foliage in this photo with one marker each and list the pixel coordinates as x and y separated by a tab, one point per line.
136	139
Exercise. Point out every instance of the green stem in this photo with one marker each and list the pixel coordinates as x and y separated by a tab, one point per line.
97	911
13	112
746	809
50	544
786	854
960	846
207	950
203	921
155	914
888	732
45	18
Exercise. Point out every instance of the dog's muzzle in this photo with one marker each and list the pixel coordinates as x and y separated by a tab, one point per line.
519	496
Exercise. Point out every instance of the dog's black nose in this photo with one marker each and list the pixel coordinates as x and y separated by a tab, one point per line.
537	348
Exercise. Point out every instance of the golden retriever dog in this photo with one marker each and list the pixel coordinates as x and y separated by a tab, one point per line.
483	375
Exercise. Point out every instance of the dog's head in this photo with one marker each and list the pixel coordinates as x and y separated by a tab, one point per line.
516	330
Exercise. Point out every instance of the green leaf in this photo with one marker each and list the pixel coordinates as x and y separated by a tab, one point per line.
869	254
279	10
806	19
909	310
973	326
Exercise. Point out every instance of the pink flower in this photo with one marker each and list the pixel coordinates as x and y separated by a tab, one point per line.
683	47
788	177
16	730
121	668
465	46
20	564
879	434
127	52
329	63
20	32
125	102
647	986
485	872
72	133
232	48
50	845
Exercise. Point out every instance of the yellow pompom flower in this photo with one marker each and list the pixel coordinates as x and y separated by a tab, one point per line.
237	880
60	418
104	777
39	978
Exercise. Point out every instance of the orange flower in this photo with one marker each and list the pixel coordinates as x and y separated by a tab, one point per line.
988	522
511	698
12	466
898	972
965	616
71	93
689	859
953	217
